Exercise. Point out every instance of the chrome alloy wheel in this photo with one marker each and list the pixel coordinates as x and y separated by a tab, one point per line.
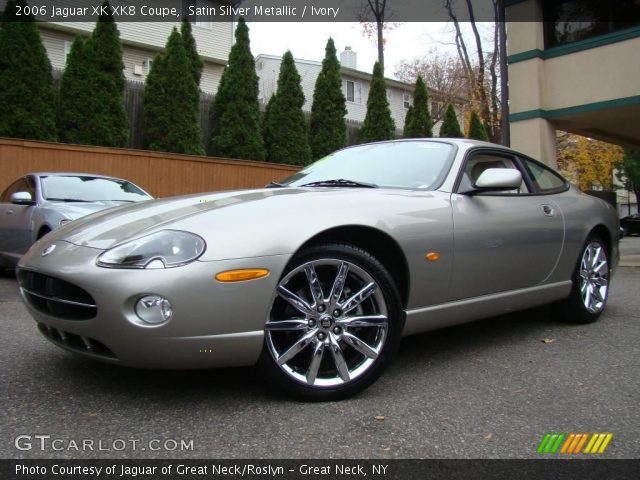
328	323
594	277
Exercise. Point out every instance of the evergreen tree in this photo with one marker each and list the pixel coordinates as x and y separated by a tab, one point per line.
27	96
408	120
378	123
105	94
192	50
286	135
74	119
418	124
236	129
264	122
171	102
327	127
450	127
476	128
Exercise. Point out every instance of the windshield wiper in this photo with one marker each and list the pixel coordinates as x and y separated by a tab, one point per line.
68	200
274	185
339	182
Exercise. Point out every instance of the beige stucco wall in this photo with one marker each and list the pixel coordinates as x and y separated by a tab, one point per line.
536	138
587	76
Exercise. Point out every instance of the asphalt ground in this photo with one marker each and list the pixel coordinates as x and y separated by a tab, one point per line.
489	389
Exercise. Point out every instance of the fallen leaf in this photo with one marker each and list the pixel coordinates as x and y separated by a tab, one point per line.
488	436
379	417
548	340
386	449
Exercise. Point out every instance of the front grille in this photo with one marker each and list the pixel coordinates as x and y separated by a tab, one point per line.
76	343
56	297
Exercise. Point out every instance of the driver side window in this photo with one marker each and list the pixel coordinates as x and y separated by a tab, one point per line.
477	164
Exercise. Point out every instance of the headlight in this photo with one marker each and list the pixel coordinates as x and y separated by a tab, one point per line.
164	249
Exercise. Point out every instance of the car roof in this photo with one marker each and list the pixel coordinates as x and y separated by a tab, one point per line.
460	142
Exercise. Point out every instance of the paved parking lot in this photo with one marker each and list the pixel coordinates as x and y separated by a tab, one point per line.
490	389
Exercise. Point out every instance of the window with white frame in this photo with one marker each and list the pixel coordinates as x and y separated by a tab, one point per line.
148	63
406	100
353	91
67	50
388	95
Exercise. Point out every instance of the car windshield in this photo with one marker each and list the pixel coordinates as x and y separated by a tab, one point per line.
90	189
407	164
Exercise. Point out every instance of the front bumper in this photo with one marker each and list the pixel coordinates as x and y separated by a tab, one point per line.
213	324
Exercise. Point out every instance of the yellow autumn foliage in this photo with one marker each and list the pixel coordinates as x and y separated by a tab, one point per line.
586	162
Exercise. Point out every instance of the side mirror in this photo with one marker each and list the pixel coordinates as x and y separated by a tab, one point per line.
22	198
498	179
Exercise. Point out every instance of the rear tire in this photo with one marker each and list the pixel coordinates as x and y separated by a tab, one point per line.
334	325
590	289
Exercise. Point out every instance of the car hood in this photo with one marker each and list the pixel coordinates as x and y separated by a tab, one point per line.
272	221
107	228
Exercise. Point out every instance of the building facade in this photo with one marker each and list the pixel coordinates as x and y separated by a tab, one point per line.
355	86
142	41
572	66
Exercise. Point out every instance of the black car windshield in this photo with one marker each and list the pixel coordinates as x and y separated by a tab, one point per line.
406	164
90	189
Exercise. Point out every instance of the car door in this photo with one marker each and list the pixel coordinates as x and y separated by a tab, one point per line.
16	226
502	240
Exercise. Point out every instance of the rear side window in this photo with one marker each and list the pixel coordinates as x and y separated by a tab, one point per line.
544	179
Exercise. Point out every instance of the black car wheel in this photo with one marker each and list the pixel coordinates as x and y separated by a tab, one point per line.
335	322
590	288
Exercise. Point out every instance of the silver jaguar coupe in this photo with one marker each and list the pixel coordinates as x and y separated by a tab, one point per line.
318	277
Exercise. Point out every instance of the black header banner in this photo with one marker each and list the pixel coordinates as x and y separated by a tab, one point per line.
325	10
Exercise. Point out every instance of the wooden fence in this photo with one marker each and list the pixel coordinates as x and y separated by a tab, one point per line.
160	174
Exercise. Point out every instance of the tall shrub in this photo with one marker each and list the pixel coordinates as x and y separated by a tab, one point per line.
327	127
476	128
418	122
171	102
27	96
378	123
192	50
450	127
105	98
74	119
236	129
286	136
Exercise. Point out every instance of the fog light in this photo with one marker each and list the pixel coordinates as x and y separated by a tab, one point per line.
154	309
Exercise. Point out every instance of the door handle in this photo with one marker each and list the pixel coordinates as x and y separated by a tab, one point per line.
548	210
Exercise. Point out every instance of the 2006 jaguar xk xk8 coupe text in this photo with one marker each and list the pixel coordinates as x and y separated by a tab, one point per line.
318	277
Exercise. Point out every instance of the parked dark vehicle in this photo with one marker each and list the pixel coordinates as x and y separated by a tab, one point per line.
631	224
38	203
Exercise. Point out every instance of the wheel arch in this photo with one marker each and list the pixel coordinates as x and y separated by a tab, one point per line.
376	242
42	231
603	232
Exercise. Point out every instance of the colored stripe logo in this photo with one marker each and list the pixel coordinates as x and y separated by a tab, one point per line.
573	443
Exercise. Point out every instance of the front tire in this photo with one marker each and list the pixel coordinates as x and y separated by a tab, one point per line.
334	324
590	289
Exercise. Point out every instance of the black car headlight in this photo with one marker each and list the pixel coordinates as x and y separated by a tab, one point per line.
164	249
